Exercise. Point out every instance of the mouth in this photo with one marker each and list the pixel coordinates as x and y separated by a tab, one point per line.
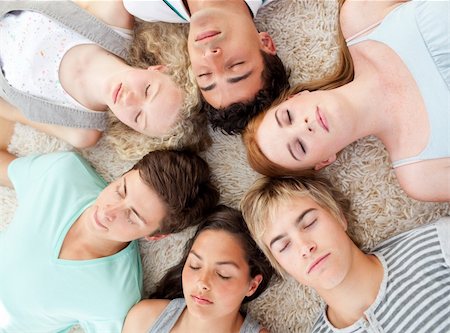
317	262
97	221
206	35
321	120
201	300
116	93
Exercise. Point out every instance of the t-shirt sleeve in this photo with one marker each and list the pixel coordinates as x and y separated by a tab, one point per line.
27	172
443	228
103	326
24	170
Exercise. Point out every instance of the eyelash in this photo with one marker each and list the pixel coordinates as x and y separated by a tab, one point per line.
289	116
146	90
204	74
220	275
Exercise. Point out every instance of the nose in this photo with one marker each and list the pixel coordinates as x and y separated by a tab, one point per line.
131	98
212	52
113	211
203	282
309	124
307	248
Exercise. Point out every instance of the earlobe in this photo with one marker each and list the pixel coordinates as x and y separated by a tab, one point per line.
267	44
157	68
254	284
156	237
325	163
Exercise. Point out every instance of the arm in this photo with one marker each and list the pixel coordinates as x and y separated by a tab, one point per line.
358	15
143	315
77	137
111	12
6	132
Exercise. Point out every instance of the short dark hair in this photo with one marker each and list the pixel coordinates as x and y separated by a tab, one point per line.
233	118
183	182
229	220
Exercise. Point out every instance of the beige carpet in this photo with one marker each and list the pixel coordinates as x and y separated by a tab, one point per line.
304	34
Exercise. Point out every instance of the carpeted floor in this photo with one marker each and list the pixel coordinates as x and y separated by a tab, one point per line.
304	33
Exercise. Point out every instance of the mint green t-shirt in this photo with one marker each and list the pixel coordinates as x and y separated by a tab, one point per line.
38	291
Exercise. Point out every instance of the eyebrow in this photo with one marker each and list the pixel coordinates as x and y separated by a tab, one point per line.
231	80
232	263
297	221
125	193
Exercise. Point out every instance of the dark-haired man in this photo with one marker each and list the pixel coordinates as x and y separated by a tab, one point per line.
236	66
70	255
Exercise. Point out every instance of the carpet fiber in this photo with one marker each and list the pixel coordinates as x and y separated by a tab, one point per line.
304	32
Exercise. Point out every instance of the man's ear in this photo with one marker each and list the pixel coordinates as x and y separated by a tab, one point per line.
156	237
323	164
267	44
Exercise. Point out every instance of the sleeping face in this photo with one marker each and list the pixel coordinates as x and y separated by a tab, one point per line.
216	275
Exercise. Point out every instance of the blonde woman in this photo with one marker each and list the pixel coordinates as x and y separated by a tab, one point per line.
72	69
400	55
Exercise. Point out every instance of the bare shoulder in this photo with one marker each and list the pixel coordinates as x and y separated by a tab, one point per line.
143	315
263	330
356	15
111	12
427	180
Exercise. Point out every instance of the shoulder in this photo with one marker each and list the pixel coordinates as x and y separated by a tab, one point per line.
263	330
143	315
109	12
356	15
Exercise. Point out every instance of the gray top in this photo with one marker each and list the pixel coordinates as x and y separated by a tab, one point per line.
414	295
168	318
72	16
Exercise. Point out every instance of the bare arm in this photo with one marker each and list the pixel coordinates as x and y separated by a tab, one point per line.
111	12
356	15
6	132
77	137
143	315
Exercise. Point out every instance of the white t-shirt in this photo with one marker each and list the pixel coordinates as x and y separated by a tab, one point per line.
172	11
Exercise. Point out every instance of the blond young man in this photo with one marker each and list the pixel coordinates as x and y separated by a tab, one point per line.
402	285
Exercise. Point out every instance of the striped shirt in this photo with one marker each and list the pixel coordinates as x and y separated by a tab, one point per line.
414	296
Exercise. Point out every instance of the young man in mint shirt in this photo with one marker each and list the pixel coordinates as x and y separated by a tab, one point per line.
70	255
235	65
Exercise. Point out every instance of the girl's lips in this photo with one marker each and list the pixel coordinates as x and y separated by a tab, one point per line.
116	92
321	120
201	300
206	34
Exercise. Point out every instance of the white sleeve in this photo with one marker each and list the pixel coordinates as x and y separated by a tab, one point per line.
172	11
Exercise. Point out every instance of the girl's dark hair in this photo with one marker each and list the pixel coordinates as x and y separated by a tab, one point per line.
226	219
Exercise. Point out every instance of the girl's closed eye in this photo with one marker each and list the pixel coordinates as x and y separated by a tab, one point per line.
223	276
146	90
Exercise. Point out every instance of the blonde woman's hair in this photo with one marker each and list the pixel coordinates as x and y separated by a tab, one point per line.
261	203
343	74
154	44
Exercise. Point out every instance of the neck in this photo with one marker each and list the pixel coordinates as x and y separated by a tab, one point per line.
198	5
348	301
81	244
361	104
226	324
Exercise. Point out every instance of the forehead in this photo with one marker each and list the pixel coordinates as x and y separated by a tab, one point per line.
219	245
285	212
143	198
226	93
